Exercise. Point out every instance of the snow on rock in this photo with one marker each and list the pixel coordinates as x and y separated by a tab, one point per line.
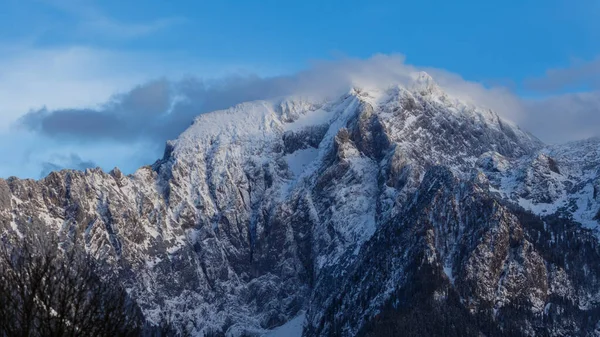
557	179
293	328
298	161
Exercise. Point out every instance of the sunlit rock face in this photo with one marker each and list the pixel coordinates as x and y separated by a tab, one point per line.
390	211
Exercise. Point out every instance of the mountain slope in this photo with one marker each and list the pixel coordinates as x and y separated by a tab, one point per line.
366	211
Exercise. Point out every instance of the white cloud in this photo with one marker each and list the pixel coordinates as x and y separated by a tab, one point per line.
579	73
107	27
93	21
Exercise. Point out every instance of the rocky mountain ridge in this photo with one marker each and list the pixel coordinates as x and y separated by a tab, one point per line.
386	210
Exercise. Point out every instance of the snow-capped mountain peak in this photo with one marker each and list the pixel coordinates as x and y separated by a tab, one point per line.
425	84
353	213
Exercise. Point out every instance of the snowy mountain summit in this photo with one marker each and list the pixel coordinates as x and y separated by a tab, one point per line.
391	211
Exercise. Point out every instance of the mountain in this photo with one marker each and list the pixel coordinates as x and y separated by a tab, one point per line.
387	211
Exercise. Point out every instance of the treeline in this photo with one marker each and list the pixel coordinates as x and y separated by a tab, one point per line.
48	288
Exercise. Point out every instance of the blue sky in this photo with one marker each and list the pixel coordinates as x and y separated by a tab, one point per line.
58	55
481	40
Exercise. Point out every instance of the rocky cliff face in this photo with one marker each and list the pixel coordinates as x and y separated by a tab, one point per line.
388	211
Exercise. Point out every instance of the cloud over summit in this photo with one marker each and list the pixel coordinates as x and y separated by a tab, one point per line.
161	109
